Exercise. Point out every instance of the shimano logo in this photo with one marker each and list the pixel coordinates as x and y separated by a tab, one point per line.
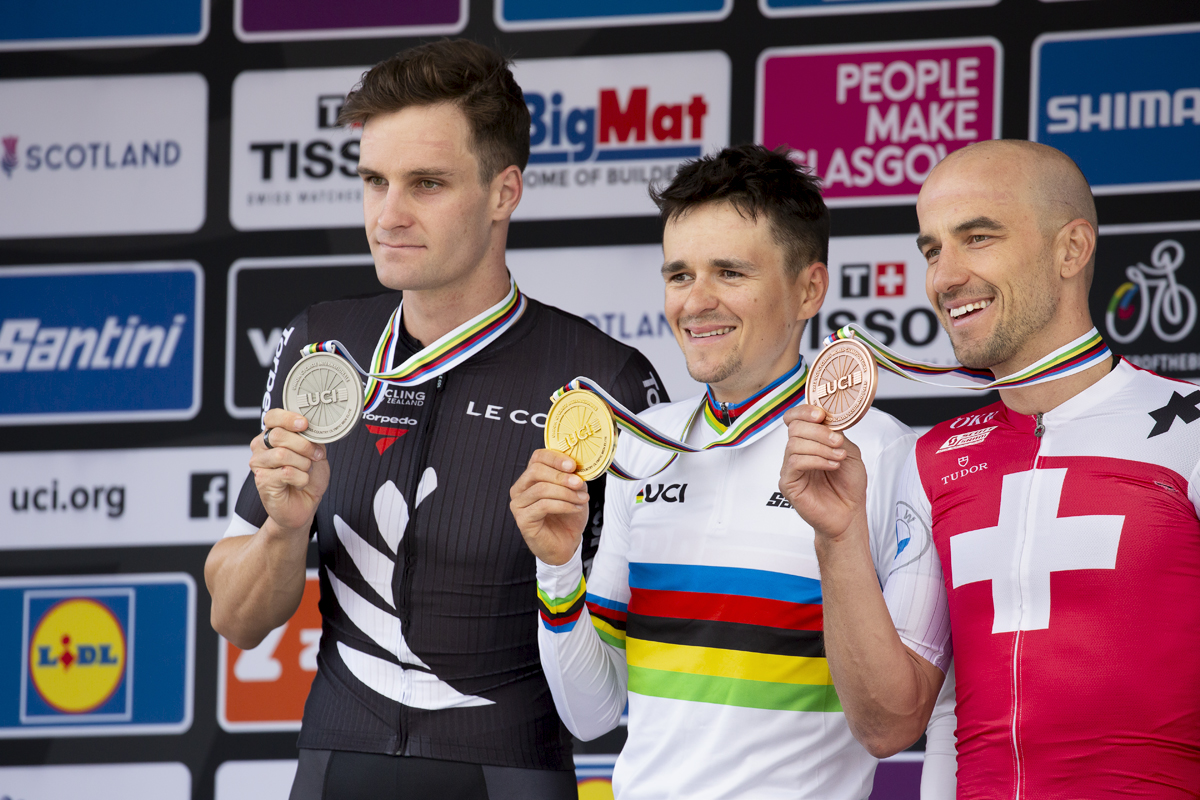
26	345
1118	111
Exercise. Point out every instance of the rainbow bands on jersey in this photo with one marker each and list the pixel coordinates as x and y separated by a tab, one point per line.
1083	353
442	356
754	423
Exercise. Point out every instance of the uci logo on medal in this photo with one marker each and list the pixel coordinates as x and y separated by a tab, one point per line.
77	656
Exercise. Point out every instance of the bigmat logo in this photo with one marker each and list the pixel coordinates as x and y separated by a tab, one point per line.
96	656
524	15
1146	295
85	23
159	781
291	20
264	689
798	8
258	317
593	773
1125	104
292	166
874	119
89	343
605	128
72	145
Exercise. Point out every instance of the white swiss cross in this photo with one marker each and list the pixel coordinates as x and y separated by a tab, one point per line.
1029	542
889	280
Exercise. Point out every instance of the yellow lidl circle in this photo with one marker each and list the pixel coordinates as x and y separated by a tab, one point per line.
595	789
77	655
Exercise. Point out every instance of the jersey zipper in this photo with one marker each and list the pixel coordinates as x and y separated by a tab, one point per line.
404	604
1039	433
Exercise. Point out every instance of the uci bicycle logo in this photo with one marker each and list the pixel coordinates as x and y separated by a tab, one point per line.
78	656
1152	295
674	493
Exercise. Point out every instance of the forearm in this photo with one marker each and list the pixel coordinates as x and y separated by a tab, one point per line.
586	675
256	582
886	690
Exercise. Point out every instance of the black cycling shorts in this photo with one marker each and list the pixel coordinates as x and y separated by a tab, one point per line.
343	775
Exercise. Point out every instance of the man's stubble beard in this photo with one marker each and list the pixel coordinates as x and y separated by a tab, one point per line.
730	366
1011	335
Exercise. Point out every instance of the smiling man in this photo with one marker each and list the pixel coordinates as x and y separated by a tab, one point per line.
1055	533
703	606
428	682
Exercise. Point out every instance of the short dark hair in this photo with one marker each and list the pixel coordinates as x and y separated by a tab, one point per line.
475	78
755	180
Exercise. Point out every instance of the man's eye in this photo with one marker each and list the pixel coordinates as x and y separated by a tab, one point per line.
932	253
428	184
375	180
979	237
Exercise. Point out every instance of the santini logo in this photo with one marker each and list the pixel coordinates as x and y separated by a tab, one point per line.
673	493
778	501
27	345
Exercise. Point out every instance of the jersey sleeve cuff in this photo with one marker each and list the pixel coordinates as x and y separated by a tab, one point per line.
239	527
939	658
562	593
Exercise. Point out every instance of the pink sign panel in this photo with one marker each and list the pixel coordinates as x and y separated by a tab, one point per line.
873	120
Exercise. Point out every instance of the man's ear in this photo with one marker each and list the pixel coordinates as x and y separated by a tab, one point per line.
815	281
506	190
1076	246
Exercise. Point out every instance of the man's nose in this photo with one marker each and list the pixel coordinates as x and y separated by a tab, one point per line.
948	273
394	212
701	297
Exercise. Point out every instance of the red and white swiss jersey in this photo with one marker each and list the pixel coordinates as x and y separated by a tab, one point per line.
1066	552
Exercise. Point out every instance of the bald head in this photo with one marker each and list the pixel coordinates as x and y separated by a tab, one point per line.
1046	177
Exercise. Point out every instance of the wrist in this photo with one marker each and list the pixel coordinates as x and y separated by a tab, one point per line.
564	576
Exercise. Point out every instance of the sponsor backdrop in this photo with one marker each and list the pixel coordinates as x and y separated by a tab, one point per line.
174	189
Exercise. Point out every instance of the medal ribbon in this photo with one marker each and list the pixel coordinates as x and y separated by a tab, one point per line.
1073	357
752	425
440	357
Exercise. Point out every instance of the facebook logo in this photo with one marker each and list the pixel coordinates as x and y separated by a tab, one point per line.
210	495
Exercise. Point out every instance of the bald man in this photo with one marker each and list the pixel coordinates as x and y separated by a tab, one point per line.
1053	536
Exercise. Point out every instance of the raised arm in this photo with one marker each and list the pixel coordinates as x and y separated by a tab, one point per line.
582	653
886	689
256	581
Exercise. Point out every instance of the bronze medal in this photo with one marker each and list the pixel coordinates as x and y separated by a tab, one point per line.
842	380
581	426
326	390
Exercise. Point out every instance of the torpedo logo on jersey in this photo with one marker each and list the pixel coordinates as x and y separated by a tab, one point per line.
596	143
100	342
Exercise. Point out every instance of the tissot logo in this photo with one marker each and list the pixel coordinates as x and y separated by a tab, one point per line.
328	108
673	493
209	495
873	280
9	162
777	500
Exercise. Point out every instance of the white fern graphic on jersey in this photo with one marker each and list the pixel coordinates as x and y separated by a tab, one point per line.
412	687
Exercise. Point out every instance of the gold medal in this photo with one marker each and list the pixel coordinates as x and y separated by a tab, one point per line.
581	426
842	380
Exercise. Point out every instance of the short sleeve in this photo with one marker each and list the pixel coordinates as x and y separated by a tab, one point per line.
915	590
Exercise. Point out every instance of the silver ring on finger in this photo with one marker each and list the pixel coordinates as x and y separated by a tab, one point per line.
267	439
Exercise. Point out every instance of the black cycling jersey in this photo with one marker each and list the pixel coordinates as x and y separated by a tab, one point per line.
428	594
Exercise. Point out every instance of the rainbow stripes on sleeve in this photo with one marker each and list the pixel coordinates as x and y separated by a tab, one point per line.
729	636
559	614
608	618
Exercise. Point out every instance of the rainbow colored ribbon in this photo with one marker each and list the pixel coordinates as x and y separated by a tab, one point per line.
755	423
440	357
1076	356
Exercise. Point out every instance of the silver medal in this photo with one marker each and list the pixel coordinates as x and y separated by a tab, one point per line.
324	388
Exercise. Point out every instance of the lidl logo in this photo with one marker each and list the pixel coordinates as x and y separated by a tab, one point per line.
77	657
70	649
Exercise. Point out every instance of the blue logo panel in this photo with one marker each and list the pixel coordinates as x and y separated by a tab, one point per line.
796	8
533	14
96	656
1124	104
102	23
97	343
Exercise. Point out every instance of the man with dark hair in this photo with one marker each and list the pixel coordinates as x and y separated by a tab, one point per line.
428	682
704	600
